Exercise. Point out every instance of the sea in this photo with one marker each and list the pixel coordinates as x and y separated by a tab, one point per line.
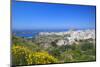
33	33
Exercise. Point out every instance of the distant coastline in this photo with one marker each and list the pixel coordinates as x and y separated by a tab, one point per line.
33	33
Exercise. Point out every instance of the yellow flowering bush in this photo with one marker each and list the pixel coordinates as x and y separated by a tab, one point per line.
19	55
22	55
41	58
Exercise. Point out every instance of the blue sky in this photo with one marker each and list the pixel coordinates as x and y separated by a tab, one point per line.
29	15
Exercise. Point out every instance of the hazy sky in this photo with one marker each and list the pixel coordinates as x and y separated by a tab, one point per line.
30	15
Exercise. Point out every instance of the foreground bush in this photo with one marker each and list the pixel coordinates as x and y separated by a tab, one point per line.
21	55
41	58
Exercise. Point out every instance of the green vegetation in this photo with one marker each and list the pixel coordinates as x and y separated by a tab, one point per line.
24	56
25	52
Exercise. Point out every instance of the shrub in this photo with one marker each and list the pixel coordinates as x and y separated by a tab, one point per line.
55	52
19	55
22	55
41	58
67	56
86	46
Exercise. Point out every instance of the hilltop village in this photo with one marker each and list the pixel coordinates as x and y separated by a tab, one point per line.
65	38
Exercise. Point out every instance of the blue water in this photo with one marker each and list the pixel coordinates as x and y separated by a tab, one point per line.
33	33
25	34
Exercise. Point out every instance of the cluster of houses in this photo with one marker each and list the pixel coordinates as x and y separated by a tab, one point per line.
68	37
